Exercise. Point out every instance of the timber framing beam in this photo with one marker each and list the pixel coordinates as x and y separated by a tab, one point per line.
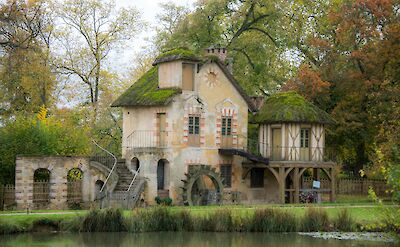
295	169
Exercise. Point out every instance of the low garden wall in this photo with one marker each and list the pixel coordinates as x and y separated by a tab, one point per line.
56	191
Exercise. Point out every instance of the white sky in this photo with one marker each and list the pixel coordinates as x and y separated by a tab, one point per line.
149	9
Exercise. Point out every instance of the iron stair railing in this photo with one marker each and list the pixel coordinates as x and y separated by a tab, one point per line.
113	166
133	179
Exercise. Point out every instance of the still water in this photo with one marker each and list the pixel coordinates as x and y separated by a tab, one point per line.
166	239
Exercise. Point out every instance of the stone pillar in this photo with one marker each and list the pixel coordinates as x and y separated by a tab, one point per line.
58	188
23	184
148	170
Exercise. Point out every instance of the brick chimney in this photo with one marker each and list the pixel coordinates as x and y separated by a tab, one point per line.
222	54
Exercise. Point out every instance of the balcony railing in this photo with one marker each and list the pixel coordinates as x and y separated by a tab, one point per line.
162	139
280	153
148	139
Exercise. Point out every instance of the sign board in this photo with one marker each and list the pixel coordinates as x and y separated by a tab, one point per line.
316	184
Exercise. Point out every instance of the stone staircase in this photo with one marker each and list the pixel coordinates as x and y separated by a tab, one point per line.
125	177
120	197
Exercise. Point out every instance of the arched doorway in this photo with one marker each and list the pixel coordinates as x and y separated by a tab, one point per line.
74	185
203	186
97	186
162	178
135	164
41	186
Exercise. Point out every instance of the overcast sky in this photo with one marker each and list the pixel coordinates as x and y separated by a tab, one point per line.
149	9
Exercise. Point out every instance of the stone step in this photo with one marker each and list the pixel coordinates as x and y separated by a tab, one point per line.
125	175
124	181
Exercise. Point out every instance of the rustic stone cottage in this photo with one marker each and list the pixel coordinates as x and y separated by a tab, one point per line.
185	136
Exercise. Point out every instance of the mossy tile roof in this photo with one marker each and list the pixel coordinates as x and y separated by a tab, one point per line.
145	92
289	107
176	54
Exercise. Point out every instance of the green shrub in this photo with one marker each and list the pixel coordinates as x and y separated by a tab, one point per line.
273	220
163	201
344	222
315	220
184	221
7	227
108	220
156	219
223	220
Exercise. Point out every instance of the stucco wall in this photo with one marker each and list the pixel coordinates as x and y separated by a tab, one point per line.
170	74
211	100
58	167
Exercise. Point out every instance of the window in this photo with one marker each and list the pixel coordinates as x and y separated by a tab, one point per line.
226	126
226	174
304	138
194	130
257	178
194	125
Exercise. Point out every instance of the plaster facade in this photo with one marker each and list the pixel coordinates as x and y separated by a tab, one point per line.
213	98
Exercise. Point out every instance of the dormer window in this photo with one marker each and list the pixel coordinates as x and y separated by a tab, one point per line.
187	76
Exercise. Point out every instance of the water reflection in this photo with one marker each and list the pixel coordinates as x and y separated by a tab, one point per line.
172	239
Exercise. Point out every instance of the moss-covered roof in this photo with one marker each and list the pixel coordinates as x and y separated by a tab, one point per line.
145	92
289	107
176	54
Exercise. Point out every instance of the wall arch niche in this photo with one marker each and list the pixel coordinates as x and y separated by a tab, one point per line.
163	178
41	186
74	185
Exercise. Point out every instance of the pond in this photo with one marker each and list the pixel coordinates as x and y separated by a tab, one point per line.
174	239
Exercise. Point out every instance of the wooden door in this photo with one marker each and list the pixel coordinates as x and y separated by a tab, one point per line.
162	129
187	76
276	152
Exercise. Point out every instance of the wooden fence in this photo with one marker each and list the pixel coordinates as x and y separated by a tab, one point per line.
352	186
7	196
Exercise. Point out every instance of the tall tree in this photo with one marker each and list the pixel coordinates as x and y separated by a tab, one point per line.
249	29
357	54
89	31
25	36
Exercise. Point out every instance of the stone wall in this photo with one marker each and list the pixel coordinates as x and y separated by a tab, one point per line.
58	167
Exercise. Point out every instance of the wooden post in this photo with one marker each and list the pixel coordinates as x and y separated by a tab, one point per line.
333	185
296	184
316	175
282	184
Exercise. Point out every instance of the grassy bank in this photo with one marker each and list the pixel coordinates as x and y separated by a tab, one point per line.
218	219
